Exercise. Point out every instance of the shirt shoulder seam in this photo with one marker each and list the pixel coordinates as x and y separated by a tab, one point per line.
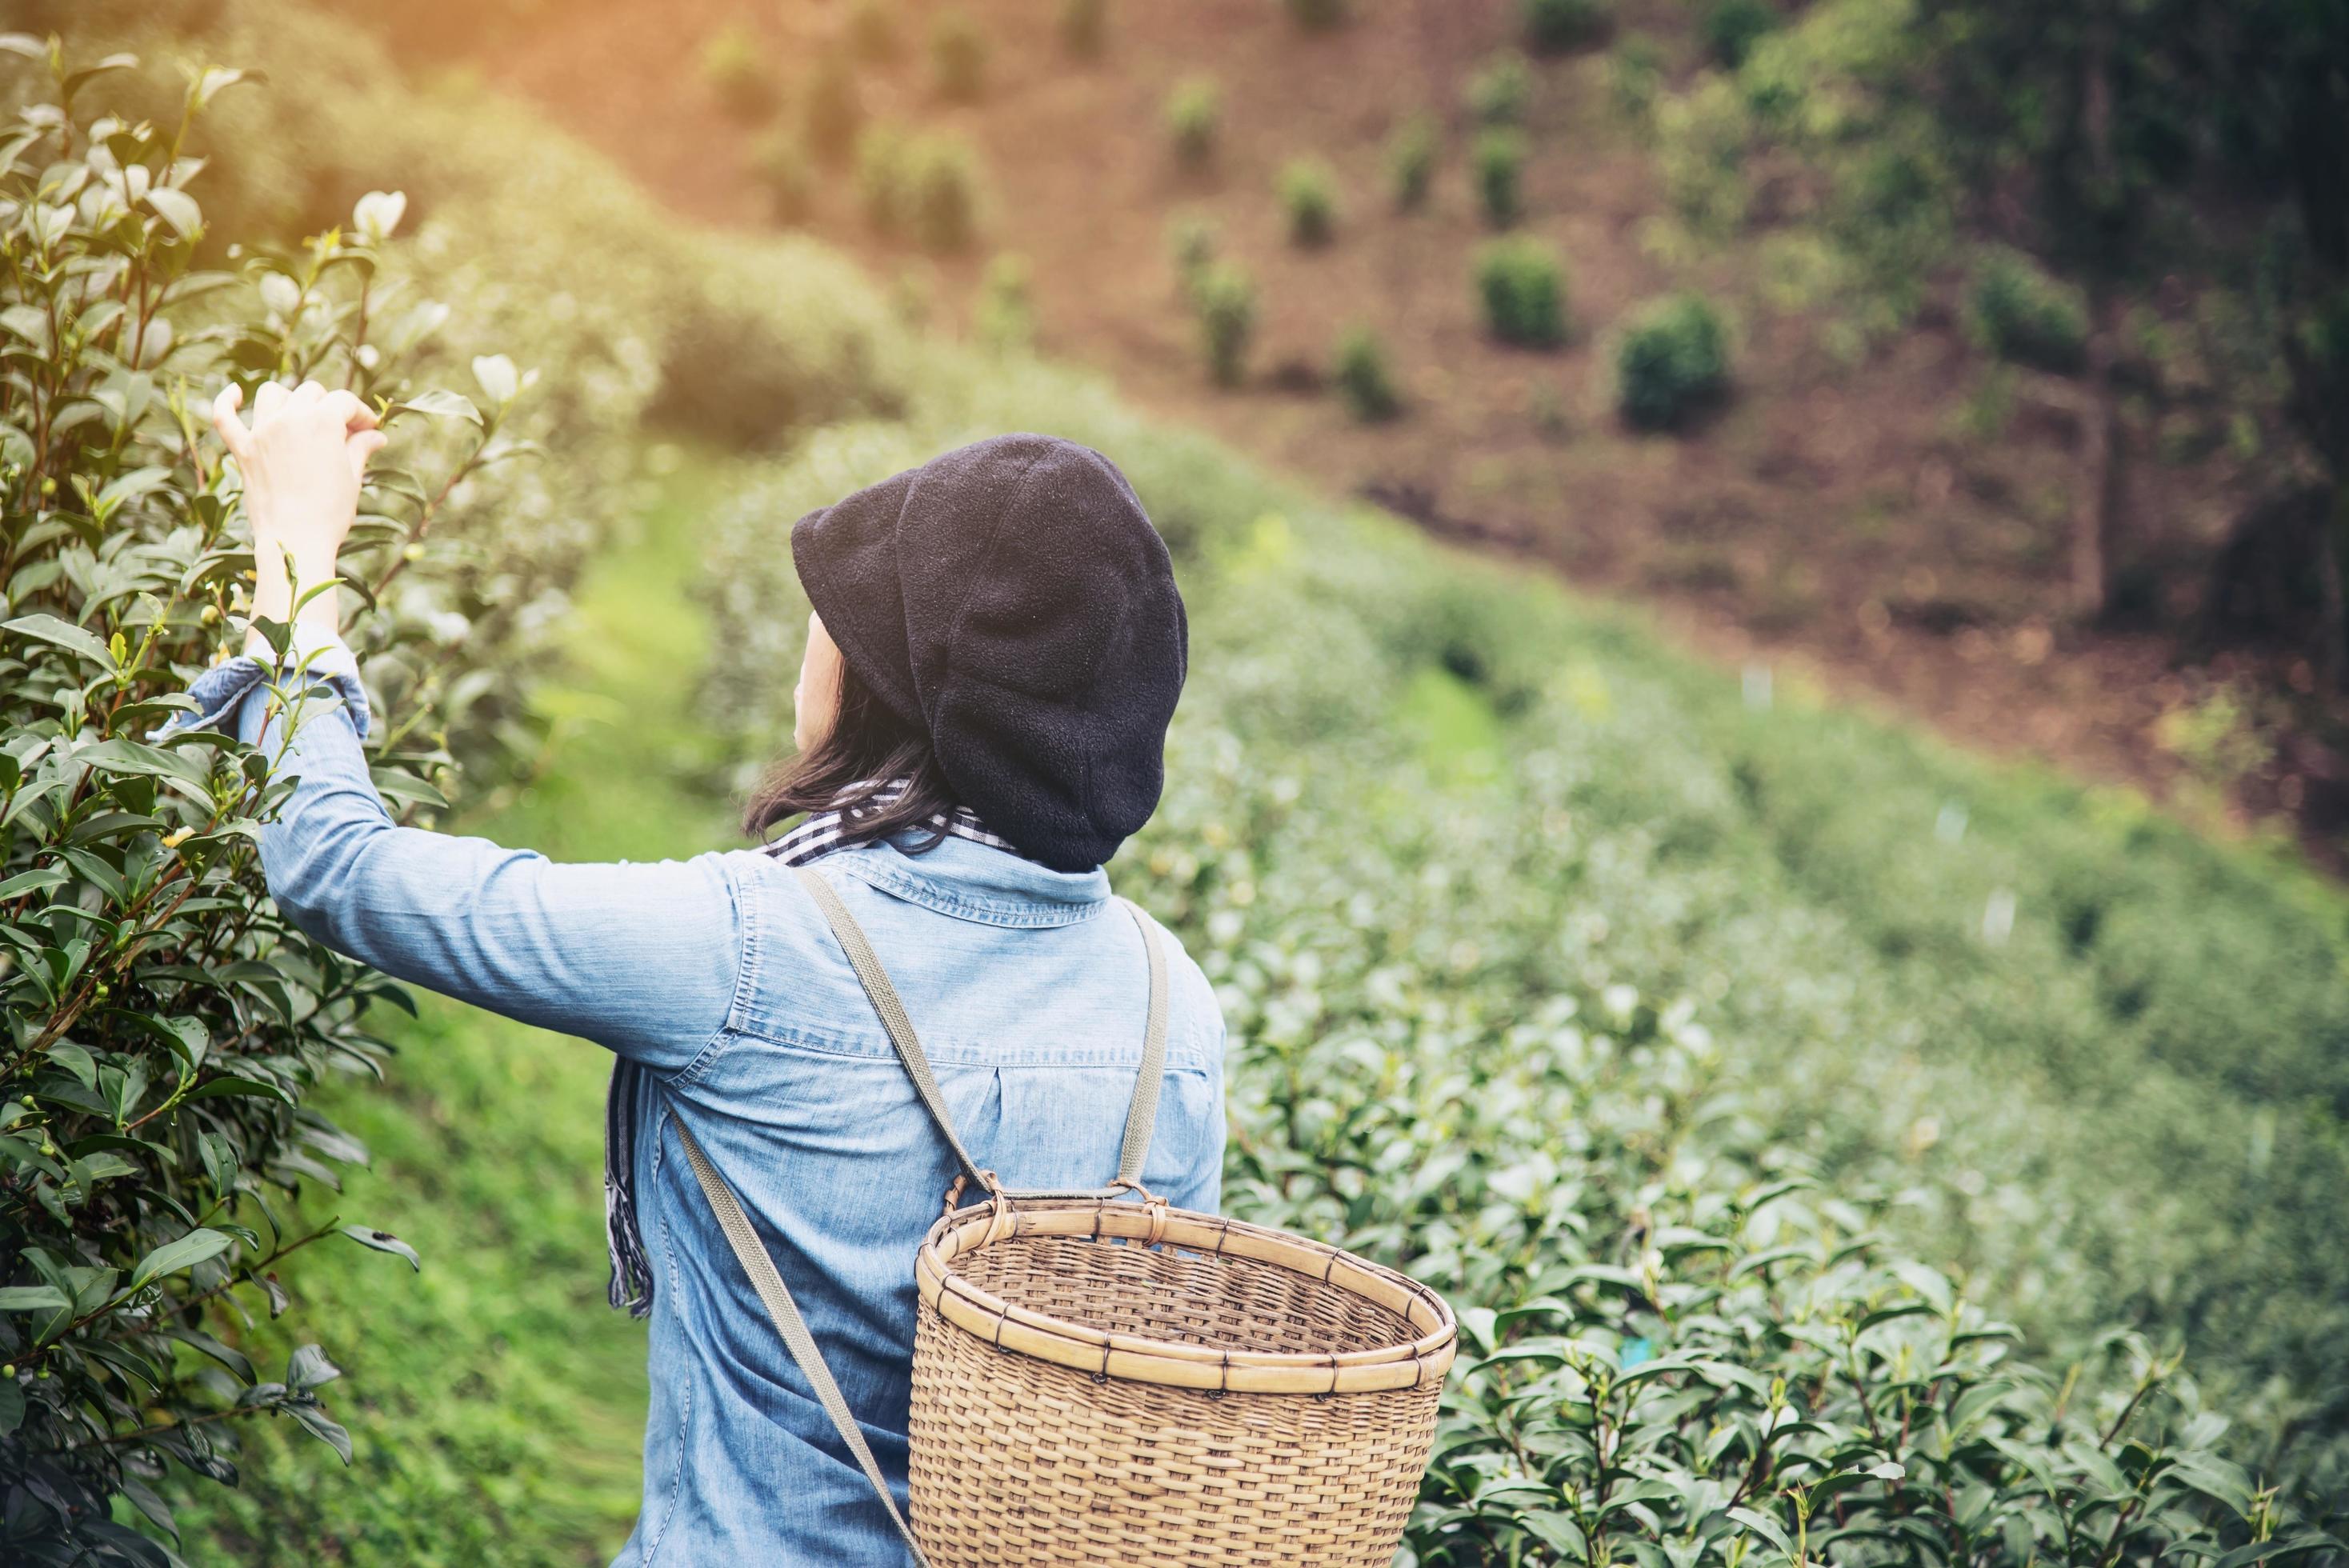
743	896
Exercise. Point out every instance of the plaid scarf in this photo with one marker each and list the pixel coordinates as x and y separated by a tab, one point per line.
624	1107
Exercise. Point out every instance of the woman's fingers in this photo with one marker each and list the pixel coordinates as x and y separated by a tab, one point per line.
233	433
345	407
363	445
347	410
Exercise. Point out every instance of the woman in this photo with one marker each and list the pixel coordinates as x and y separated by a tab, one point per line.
994	653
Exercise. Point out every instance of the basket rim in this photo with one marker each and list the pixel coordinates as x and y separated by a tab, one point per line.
1420	1362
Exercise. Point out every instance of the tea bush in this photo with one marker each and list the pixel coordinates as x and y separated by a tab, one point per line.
759	339
1364	381
1521	284
1192	241
1498	163
919	185
1681	1345
1673	363
1502	90
1195	114
1824	97
1223	298
1731	27
831	110
2015	310
1635	79
941	196
958	57
164	1024
880	172
1084	28
1555	25
1705	137
739	75
1678	1348
1411	150
872	30
1309	196
782	165
1675	1342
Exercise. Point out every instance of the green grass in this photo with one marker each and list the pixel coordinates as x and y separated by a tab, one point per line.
495	1403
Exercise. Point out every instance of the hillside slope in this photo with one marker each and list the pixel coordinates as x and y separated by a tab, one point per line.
1884	503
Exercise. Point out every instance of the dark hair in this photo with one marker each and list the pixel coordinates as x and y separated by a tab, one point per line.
850	771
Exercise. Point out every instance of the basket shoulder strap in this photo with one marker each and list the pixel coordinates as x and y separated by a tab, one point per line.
884	997
769	1282
1141	1115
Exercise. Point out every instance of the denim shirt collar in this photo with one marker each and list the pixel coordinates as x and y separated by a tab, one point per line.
974	882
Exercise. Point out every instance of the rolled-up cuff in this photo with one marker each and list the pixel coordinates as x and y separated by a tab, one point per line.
317	664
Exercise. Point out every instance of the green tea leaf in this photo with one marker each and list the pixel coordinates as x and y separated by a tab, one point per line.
170	1258
32	1298
440	404
1765	1527
230	1083
47	628
384	1242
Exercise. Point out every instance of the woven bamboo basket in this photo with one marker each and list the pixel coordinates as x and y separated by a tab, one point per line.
1099	1382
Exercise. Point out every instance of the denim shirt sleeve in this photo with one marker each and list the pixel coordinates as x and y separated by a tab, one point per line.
642	958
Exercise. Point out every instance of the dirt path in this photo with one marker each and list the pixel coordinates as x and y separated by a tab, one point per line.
1848	520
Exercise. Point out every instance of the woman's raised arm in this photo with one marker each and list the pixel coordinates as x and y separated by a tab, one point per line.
640	958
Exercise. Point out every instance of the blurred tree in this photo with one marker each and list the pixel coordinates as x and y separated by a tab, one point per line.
2282	112
2082	104
2106	117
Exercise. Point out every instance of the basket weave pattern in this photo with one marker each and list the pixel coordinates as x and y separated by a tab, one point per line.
1021	1457
1216	1303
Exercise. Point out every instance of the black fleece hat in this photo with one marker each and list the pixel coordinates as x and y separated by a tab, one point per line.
1012	599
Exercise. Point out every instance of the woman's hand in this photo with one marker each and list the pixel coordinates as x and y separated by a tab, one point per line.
303	460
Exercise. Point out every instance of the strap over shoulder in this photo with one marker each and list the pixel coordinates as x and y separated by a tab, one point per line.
1142	1112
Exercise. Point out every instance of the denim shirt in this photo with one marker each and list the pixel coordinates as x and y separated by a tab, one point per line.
719	973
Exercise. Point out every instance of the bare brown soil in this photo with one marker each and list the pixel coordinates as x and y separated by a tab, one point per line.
1846	518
